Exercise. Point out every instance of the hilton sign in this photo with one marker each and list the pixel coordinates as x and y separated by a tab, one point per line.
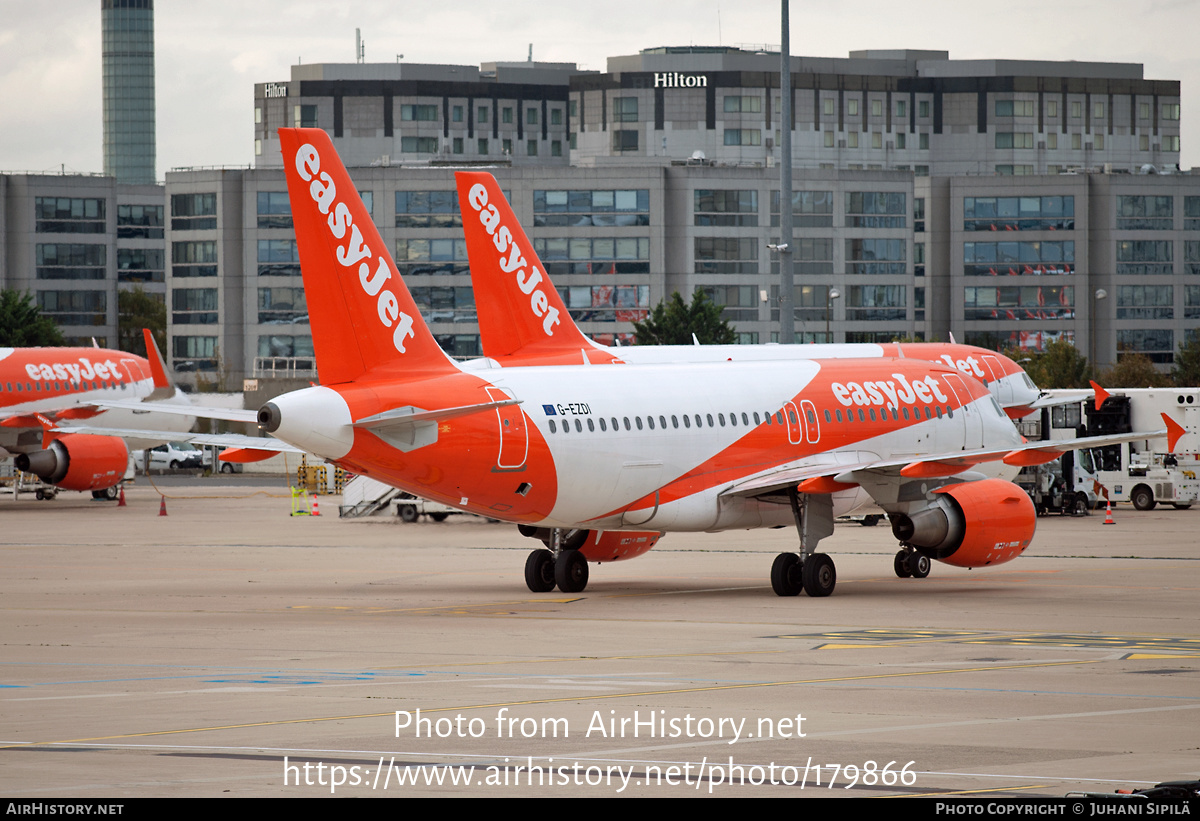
673	79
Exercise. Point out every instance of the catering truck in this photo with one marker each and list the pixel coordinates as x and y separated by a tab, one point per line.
1143	473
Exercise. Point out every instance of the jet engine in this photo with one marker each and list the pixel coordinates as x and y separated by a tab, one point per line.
972	524
78	462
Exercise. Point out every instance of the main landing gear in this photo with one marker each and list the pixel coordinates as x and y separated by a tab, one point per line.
812	572
560	564
910	563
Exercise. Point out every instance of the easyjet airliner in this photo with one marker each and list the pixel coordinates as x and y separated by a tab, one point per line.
523	321
42	389
602	460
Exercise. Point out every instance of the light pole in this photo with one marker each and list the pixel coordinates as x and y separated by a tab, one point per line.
1097	296
830	296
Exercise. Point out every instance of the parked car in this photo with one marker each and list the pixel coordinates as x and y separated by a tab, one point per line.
175	455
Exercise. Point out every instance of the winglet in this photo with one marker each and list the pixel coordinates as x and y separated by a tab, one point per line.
1101	394
521	315
1174	432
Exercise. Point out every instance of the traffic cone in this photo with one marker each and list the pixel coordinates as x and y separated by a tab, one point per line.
121	498
1108	519
316	506
162	506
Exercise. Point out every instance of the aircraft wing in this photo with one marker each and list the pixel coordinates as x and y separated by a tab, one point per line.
828	478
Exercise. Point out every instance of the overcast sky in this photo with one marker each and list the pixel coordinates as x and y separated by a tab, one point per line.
209	54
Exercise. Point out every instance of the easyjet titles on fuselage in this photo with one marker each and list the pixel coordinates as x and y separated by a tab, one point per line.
324	194
85	369
502	238
889	393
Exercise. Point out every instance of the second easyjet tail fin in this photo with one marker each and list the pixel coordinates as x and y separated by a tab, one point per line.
363	317
522	319
164	388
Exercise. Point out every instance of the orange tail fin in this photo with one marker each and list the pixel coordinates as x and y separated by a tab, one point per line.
363	317
521	316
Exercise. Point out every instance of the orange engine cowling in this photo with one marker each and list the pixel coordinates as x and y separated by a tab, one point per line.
617	545
78	461
972	524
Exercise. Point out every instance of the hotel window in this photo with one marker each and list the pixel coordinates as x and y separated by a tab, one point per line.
1137	213
726	255
876	209
556	116
71	261
140	221
726	208
427	209
743	105
901	108
1145	302
852	108
1008	139
743	136
852	139
194	306
624	140
70	215
481	115
877	108
827	107
1170	111
419	113
875	256
810	209
603	207
456	114
625	109
193	212
274	209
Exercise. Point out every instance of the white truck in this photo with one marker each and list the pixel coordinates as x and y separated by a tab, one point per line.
1143	472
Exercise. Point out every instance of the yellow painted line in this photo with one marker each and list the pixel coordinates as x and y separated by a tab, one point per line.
1141	656
563	699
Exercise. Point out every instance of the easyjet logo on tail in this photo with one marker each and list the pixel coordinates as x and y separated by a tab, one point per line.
527	280
889	393
355	251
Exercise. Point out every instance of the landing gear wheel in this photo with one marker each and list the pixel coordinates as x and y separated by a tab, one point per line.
109	494
918	565
1142	498
819	575
786	576
900	565
407	513
571	571
871	520
539	571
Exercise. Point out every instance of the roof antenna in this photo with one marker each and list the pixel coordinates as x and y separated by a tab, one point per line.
530	58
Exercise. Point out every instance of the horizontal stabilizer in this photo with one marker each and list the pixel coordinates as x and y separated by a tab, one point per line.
228	414
221	440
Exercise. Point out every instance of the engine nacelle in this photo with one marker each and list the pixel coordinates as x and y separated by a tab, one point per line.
972	524
78	462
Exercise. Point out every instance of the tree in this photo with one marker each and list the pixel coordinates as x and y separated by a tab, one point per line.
1186	372
137	309
672	323
22	324
1061	365
1133	370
